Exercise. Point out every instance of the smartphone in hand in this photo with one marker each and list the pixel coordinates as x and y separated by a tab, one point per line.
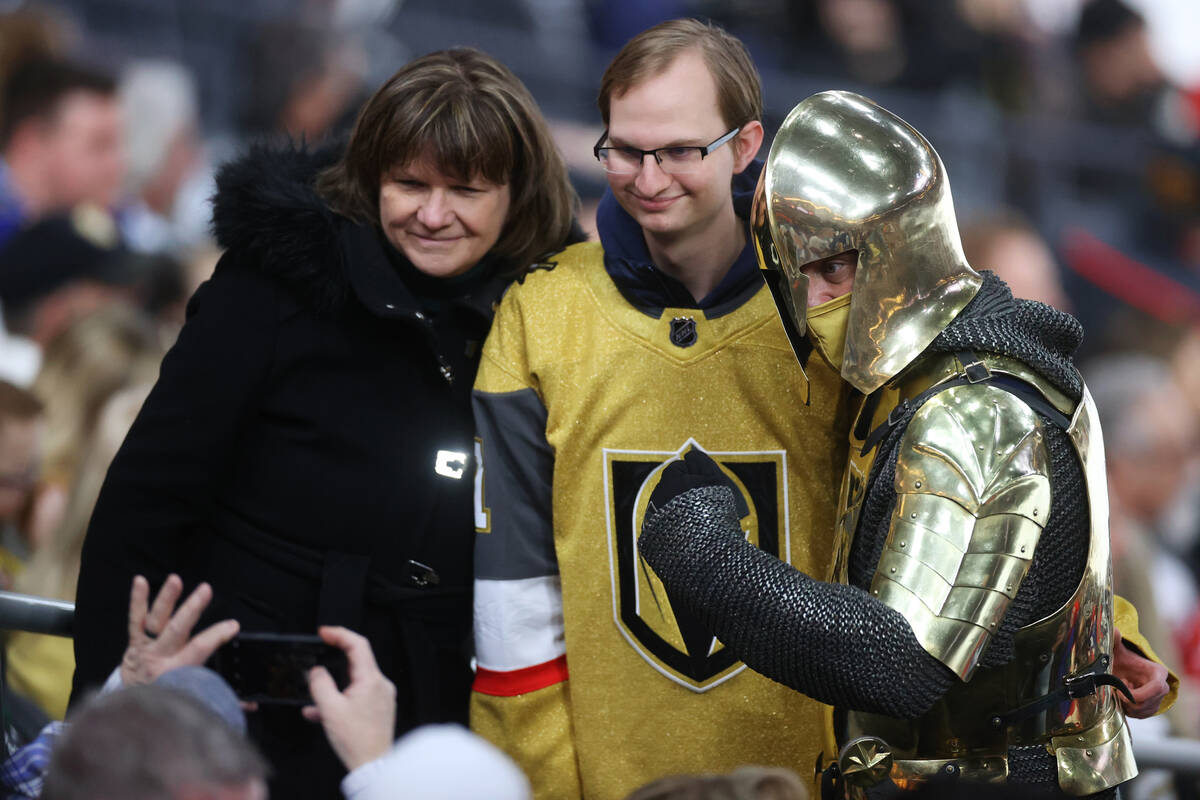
272	668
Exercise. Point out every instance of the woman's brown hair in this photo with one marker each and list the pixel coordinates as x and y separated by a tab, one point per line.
472	118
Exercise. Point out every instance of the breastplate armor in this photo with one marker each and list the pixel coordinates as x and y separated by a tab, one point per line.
970	729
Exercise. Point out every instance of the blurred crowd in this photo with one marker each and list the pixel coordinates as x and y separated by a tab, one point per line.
1083	119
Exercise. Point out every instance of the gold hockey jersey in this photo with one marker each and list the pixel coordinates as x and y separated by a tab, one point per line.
586	675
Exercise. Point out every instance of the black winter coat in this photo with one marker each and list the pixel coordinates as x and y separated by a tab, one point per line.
308	450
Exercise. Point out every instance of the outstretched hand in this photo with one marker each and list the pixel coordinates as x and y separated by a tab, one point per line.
360	721
160	638
1146	679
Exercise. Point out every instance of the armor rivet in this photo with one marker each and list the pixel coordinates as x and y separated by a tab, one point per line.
1044	657
992	625
893	570
917	484
913	515
1008	588
1089	753
902	543
1035	512
874	591
1080	738
997	722
1022	548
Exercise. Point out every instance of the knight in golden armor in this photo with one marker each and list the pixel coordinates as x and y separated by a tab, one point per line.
967	626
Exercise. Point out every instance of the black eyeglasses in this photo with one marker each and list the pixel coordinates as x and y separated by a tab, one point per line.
672	160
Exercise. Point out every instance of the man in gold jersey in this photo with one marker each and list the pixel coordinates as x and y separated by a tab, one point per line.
603	363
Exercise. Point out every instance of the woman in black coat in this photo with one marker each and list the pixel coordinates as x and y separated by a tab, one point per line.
308	448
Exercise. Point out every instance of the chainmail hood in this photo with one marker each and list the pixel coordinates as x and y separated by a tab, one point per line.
995	322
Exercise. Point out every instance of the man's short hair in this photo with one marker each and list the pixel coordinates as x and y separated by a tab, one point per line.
739	90
148	743
1105	20
34	89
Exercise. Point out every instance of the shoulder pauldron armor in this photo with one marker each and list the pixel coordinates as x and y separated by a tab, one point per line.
972	496
973	492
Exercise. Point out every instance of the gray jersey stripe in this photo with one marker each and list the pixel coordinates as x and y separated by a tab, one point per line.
518	472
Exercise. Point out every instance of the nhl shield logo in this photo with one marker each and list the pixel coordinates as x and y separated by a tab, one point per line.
683	331
672	640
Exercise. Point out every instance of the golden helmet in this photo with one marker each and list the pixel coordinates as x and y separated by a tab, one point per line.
845	174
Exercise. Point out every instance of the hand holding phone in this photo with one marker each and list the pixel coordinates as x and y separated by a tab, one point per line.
272	668
359	721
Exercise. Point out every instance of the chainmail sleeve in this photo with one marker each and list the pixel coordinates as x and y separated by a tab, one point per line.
834	643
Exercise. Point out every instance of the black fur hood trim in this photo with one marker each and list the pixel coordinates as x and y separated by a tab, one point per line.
267	213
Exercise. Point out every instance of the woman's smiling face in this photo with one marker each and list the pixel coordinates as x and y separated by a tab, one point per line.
443	225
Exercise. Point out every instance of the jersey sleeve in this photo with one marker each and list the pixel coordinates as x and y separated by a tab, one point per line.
520	699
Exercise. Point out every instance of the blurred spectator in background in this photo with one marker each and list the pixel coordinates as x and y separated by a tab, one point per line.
61	141
195	758
1007	244
57	269
1169	226
20	457
885	43
168	184
40	667
154	742
744	783
171	659
614	23
301	80
94	377
84	366
865	37
1150	434
1120	75
66	266
31	32
1185	366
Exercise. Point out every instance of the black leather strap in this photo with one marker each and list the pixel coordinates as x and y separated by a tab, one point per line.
974	371
1082	684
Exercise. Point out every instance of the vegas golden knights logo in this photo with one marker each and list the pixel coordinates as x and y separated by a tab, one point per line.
670	639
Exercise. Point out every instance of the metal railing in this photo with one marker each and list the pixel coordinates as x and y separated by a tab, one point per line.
26	612
1178	755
